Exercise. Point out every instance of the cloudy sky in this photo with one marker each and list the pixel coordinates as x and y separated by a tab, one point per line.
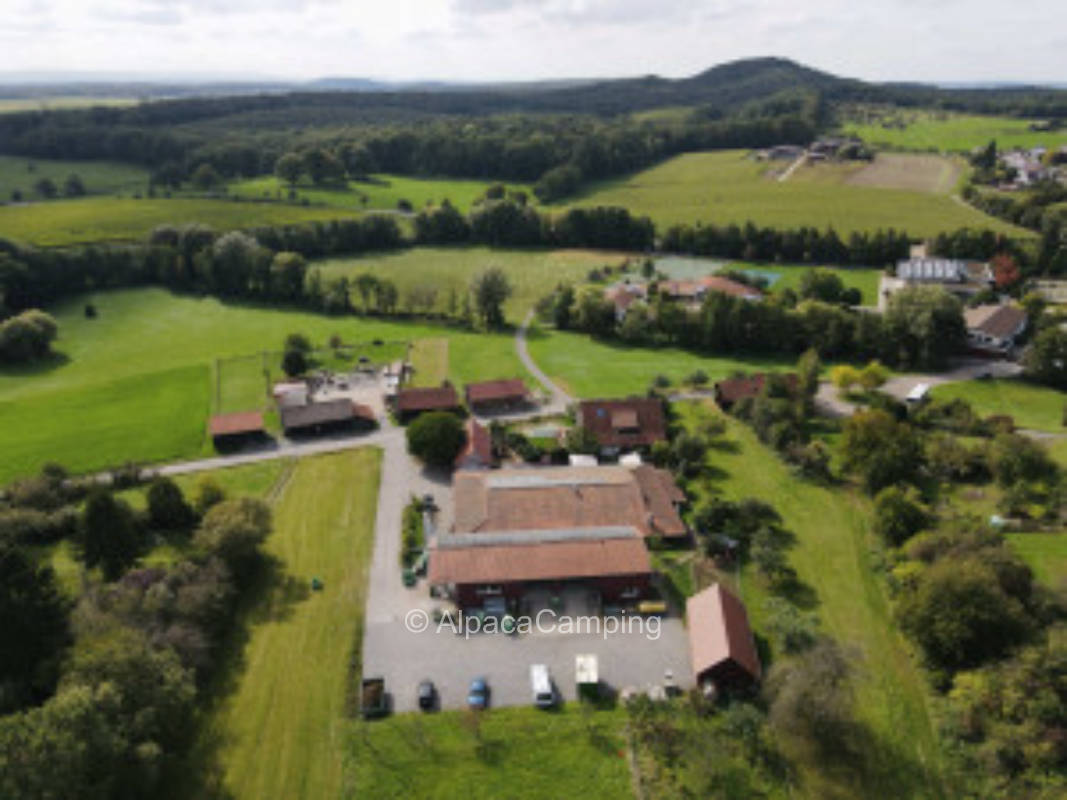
936	40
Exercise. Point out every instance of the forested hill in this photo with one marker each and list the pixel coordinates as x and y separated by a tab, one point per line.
559	136
721	90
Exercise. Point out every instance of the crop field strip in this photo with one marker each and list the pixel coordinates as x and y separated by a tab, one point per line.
108	219
729	187
932	131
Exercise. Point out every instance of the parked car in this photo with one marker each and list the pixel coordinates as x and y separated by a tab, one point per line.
478	694
427	694
544	695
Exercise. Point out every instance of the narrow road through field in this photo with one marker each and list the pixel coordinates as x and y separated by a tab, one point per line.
560	399
793	168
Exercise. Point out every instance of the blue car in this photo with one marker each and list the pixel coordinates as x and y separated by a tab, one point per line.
478	694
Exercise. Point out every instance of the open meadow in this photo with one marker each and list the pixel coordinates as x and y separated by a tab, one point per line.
279	723
380	192
1030	405
517	753
104	219
136	383
730	187
98	177
916	129
1046	553
447	270
590	368
833	558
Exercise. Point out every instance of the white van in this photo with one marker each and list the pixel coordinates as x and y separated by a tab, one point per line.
544	696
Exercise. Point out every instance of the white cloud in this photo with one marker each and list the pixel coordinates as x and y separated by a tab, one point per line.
514	39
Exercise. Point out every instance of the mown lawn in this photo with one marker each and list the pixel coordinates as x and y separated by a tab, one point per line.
729	187
450	270
588	367
98	177
1046	553
137	382
904	129
517	753
102	219
832	556
381	192
281	729
788	276
150	416
429	362
1032	406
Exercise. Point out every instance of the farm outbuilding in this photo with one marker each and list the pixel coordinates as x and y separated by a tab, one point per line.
411	402
234	430
496	396
326	416
721	646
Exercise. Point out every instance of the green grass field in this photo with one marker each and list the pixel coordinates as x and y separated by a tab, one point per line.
137	382
102	219
729	187
832	556
533	273
787	276
519	753
904	129
151	416
1032	406
280	729
429	362
1046	553
382	192
590	368
99	177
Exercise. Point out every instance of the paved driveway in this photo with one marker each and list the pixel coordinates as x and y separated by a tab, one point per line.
829	403
443	653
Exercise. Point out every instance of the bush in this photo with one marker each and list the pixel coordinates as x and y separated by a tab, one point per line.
109	534
208	494
294	363
898	515
233	530
960	615
167	509
436	438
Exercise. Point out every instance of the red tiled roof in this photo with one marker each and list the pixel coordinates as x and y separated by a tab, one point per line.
440	398
732	390
490	391
478	444
719	632
612	421
565	498
539	562
716	283
661	494
236	424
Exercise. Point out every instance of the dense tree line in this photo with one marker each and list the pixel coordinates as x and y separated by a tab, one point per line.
506	223
921	328
801	245
100	693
